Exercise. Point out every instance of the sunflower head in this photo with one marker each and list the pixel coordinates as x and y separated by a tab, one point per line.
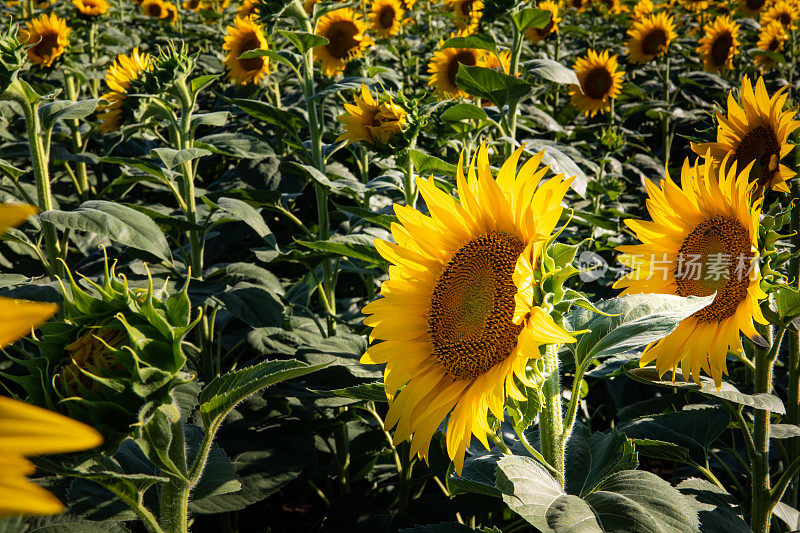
155	9
643	8
720	44
443	68
386	17
347	39
601	81
755	136
91	8
752	8
467	13
193	5
245	35
378	122
610	7
650	37
694	6
48	38
123	73
771	39
536	35
248	8
701	242
12	57
784	11
461	313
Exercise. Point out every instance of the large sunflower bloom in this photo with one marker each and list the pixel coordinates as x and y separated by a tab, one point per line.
458	332
371	121
468	13
155	9
784	12
771	38
536	35
119	76
49	37
443	68
643	8
346	36
752	8
701	241
26	430
650	37
719	45
386	17
756	132
91	8
245	35
600	82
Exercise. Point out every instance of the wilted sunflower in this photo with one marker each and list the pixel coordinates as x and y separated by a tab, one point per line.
467	12
785	12
756	132
245	35
600	82
91	8
771	38
650	37
119	75
248	7
372	121
386	17
701	241
536	35
752	8
643	8
457	330
719	45
49	37
26	430
155	9
444	66
347	39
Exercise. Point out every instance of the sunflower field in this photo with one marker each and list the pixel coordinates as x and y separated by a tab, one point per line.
399	266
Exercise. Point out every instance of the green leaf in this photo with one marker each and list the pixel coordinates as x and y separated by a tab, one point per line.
268	113
426	163
119	223
659	449
303	41
717	510
236	145
560	163
246	213
67	110
481	41
784	431
501	89
201	82
353	83
255	306
464	111
592	457
553	71
357	246
788	515
217	118
478	476
762	401
343	185
10	170
530	18
224	392
373	392
787	302
172	158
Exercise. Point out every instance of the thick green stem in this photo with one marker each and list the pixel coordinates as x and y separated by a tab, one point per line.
77	143
511	119
186	141
551	425
175	506
665	120
408	177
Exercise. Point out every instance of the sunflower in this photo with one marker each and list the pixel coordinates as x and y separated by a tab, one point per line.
371	121
26	430
48	36
248	7
580	5
467	12
386	17
245	35
701	241
536	35
719	45
757	132
91	8
499	61
643	8
193	5
119	76
783	11
172	12
695	6
771	38
650	37
346	36
444	65
600	82
752	8
156	9
610	7
457	317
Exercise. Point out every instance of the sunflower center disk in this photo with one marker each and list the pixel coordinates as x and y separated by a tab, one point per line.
466	8
386	17
715	257
251	42
463	57
46	46
597	83
721	48
472	306
340	37
755	5
760	145
654	42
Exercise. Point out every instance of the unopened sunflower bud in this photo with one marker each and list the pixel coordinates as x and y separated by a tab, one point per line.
12	57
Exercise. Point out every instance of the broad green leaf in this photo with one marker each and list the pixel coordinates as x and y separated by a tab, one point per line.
119	223
501	89
373	392
344	185
356	246
788	515
268	113
659	449
531	18
67	110
481	41
224	392
236	145
10	170
303	41
784	431
553	71
592	457
254	305
478	476
717	511
464	111
219	475
787	302
370	216
217	118
345	84
246	213
560	163
430	164
172	158
201	82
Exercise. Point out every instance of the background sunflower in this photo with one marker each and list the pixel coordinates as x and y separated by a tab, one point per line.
242	36
601	82
48	36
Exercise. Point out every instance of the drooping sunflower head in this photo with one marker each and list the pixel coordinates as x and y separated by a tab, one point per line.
720	44
443	68
650	37
48	36
701	241
119	76
458	318
248	8
601	81
784	11
347	39
752	8
758	133
155	9
771	39
643	8
536	35
467	13
378	122
245	35
386	17
91	8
